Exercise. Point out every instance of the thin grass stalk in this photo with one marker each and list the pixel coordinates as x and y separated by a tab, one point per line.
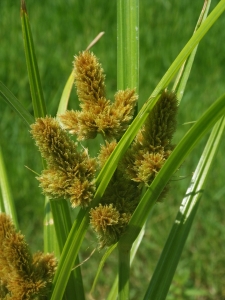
40	110
50	239
100	266
167	264
69	254
120	46
128	77
8	205
183	75
32	66
114	290
124	272
15	104
128	44
66	94
1	204
62	221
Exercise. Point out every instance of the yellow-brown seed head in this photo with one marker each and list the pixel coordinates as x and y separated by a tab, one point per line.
69	174
89	78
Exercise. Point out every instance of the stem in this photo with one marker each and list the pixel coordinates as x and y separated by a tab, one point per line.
167	264
127	77
7	204
128	44
62	224
183	75
124	271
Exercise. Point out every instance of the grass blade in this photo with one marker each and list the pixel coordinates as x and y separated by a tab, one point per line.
32	66
183	75
170	256
66	94
128	44
7	200
16	105
124	272
182	150
50	239
128	77
63	223
114	290
101	264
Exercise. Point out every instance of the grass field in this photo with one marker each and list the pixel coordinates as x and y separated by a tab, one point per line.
63	28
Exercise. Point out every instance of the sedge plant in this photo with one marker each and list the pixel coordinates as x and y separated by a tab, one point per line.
115	191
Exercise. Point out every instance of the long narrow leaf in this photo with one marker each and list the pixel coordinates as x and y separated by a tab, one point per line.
40	110
7	199
127	44
66	94
128	77
32	66
182	150
62	221
170	256
50	240
183	75
101	264
10	99
114	290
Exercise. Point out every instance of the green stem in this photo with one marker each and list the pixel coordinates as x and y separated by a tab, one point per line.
62	224
128	44
113	292
128	77
167	264
183	75
124	271
7	204
32	66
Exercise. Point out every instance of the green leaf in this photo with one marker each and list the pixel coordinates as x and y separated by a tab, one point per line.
62	225
166	267
67	260
128	44
179	154
16	105
7	202
101	264
127	77
114	290
32	66
50	240
183	75
66	94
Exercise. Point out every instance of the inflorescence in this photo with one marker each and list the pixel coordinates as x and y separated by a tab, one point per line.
22	275
71	173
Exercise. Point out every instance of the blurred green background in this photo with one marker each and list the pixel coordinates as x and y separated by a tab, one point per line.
60	30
